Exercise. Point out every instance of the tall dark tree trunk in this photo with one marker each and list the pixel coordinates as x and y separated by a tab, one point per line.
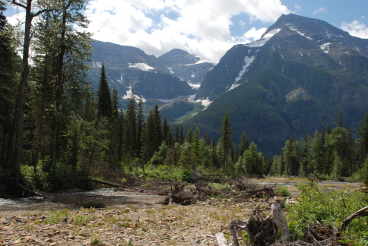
16	140
59	117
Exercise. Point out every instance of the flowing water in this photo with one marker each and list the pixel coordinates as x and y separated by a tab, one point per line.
105	197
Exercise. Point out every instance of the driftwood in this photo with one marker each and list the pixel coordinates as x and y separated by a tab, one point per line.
98	181
185	194
181	194
262	231
266	192
273	230
360	213
221	240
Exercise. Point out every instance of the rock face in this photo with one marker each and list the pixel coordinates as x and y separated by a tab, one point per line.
296	79
185	66
153	80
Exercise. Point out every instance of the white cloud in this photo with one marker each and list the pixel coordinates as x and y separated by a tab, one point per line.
202	27
16	19
356	28
254	34
320	11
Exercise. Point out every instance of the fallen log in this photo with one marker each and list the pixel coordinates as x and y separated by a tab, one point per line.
262	230
221	240
360	213
266	192
99	181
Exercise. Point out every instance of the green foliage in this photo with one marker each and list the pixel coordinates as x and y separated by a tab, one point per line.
251	162
57	217
282	191
81	220
364	173
327	207
104	97
157	172
220	187
61	177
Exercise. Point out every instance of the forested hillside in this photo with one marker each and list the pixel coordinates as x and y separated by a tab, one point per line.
67	133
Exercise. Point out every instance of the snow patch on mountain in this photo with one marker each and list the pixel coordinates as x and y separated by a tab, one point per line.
171	71
130	95
233	86
268	35
265	38
294	29
326	47
96	64
194	86
141	66
205	102
248	60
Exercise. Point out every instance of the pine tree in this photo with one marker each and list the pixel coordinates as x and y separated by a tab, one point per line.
338	167
131	128
364	172
251	162
157	128
290	157
7	75
140	128
226	141
363	138
115	104
244	143
9	171
104	97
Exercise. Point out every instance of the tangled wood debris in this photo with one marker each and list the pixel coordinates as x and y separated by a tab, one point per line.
273	230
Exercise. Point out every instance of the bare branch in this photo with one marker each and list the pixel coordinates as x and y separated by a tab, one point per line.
19	4
41	12
362	212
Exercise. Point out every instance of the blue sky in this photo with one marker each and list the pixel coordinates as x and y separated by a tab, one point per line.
207	28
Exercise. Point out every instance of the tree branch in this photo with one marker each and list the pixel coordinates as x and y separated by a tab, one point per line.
41	12
362	212
19	4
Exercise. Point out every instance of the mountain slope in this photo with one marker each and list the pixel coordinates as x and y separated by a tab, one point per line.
293	81
153	80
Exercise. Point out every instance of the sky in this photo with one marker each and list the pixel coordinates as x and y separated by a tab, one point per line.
206	28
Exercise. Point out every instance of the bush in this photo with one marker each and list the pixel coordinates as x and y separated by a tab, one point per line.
330	208
283	191
60	177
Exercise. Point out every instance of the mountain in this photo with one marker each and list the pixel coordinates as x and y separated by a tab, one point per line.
185	66
154	80
295	80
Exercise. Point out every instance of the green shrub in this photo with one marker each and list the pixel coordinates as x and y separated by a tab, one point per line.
220	187
60	177
328	207
56	217
282	191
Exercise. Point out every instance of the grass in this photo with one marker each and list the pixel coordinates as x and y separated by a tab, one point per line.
329	207
57	217
282	191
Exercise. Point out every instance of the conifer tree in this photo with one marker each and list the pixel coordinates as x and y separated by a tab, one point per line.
226	141
131	128
157	131
364	172
8	170
140	127
104	97
363	138
290	157
251	162
244	143
115	104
